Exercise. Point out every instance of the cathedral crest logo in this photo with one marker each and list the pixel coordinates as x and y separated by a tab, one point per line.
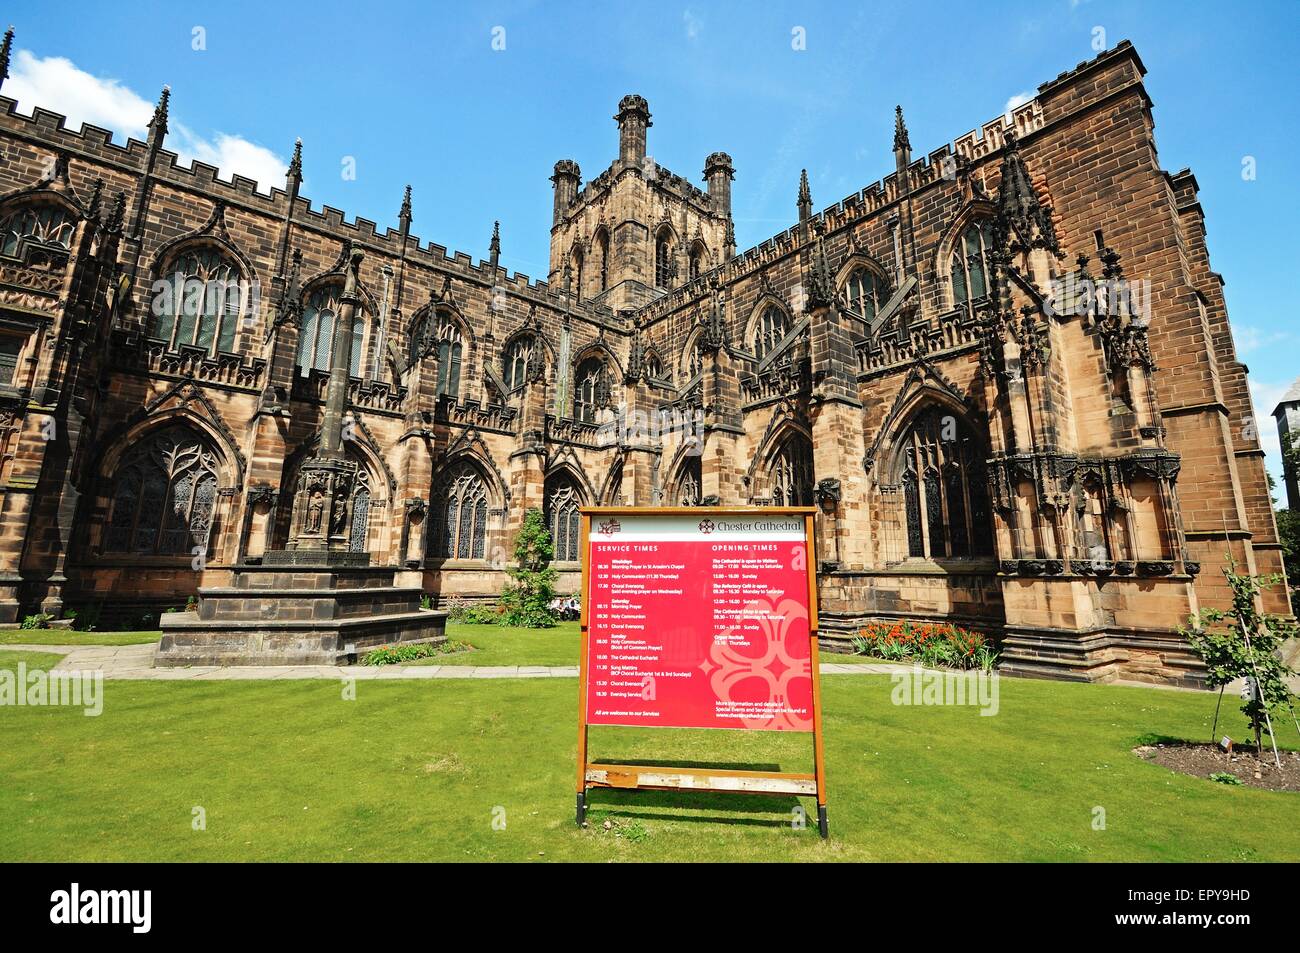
706	526
610	527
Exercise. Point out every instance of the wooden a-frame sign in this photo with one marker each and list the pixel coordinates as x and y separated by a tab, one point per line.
699	617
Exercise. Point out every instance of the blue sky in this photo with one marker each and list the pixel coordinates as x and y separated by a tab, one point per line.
416	92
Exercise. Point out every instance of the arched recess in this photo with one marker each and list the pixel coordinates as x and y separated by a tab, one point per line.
686	487
692	357
698	261
467	506
611	491
597	377
665	255
369	504
600	252
769	322
782	470
158	490
937	460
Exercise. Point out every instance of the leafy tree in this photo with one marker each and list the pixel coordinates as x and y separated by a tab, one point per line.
1243	642
527	598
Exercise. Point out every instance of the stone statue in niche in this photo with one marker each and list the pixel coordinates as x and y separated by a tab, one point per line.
315	511
339	518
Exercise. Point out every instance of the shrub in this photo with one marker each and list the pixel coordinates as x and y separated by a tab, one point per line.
40	620
932	644
458	610
396	654
527	598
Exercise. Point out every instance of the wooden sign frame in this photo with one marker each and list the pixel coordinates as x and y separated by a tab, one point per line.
667	776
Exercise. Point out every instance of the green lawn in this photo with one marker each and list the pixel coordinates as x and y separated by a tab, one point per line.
9	662
414	770
71	637
501	645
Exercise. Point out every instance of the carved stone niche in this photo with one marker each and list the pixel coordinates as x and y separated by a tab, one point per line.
320	506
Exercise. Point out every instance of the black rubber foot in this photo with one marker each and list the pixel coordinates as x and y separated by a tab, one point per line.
822	826
582	810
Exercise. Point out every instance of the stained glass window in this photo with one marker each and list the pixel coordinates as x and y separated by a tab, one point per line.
970	265
562	502
864	292
461	499
164	494
202	303
772	328
944	489
515	366
43	226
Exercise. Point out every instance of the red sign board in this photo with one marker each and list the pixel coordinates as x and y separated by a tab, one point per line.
699	622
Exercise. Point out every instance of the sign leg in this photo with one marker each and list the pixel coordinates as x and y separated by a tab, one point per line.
582	809
822	827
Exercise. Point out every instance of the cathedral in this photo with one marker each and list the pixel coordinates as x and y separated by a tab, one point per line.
1003	375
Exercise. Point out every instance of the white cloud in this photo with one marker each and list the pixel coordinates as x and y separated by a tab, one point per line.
1249	339
56	84
693	24
1016	101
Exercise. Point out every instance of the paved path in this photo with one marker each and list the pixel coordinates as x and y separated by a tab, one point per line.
136	662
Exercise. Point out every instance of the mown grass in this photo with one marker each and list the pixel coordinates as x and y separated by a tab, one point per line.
504	645
72	637
418	770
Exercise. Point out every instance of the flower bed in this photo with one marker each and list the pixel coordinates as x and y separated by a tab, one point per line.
929	643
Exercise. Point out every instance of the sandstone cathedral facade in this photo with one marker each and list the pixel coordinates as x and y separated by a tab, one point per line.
986	439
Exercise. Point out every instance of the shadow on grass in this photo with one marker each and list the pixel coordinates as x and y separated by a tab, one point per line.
735	809
729	808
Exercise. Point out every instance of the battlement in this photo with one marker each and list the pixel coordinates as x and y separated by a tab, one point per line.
94	144
975	147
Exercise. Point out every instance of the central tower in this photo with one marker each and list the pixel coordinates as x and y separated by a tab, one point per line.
637	230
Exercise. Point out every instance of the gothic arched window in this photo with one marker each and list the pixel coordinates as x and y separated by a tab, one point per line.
450	348
359	534
460	514
865	293
590	390
316	336
791	473
689	480
202	304
773	326
514	367
664	259
562	519
944	489
970	264
164	494
40	228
